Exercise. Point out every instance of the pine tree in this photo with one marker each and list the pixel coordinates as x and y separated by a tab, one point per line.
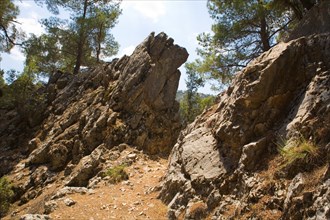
80	41
242	31
8	30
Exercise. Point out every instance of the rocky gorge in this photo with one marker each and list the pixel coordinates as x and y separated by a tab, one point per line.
262	151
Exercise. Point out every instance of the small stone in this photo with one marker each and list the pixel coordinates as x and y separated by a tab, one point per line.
126	182
122	147
106	178
104	207
280	193
50	206
69	202
137	203
34	217
132	156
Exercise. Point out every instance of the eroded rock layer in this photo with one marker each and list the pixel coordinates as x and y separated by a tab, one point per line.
227	164
128	101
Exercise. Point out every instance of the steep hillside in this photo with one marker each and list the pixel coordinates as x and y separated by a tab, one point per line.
92	116
263	151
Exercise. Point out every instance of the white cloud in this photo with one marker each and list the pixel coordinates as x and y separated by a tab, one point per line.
127	51
17	55
24	4
149	9
31	25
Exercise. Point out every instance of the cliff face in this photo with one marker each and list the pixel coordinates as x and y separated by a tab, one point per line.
227	165
130	101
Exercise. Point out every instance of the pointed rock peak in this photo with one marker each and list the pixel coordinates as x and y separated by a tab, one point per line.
155	45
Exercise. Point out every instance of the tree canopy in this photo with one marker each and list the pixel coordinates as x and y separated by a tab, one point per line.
193	103
71	43
8	30
241	32
67	44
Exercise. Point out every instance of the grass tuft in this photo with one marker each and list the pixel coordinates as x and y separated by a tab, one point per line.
117	174
297	148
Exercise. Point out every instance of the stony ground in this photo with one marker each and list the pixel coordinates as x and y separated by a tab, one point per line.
135	198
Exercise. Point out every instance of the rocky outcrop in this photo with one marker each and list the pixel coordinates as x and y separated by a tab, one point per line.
130	100
228	157
127	101
315	21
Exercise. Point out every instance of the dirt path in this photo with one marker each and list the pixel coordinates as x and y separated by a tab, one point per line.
135	198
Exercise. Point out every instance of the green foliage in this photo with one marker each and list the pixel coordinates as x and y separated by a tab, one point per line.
192	105
117	174
297	148
242	31
8	31
52	5
80	41
23	94
194	80
189	110
6	195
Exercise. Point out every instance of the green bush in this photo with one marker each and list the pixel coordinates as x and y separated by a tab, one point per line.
6	194
297	148
191	107
117	174
24	94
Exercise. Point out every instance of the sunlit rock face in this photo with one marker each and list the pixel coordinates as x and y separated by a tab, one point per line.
91	115
227	158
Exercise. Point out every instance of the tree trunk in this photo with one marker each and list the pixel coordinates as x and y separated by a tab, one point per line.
81	41
99	40
189	107
264	34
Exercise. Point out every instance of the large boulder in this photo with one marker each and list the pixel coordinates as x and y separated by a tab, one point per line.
218	158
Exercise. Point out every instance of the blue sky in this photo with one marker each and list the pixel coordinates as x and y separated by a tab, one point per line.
182	20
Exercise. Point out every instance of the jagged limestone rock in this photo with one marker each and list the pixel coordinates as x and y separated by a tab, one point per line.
130	100
127	102
282	92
